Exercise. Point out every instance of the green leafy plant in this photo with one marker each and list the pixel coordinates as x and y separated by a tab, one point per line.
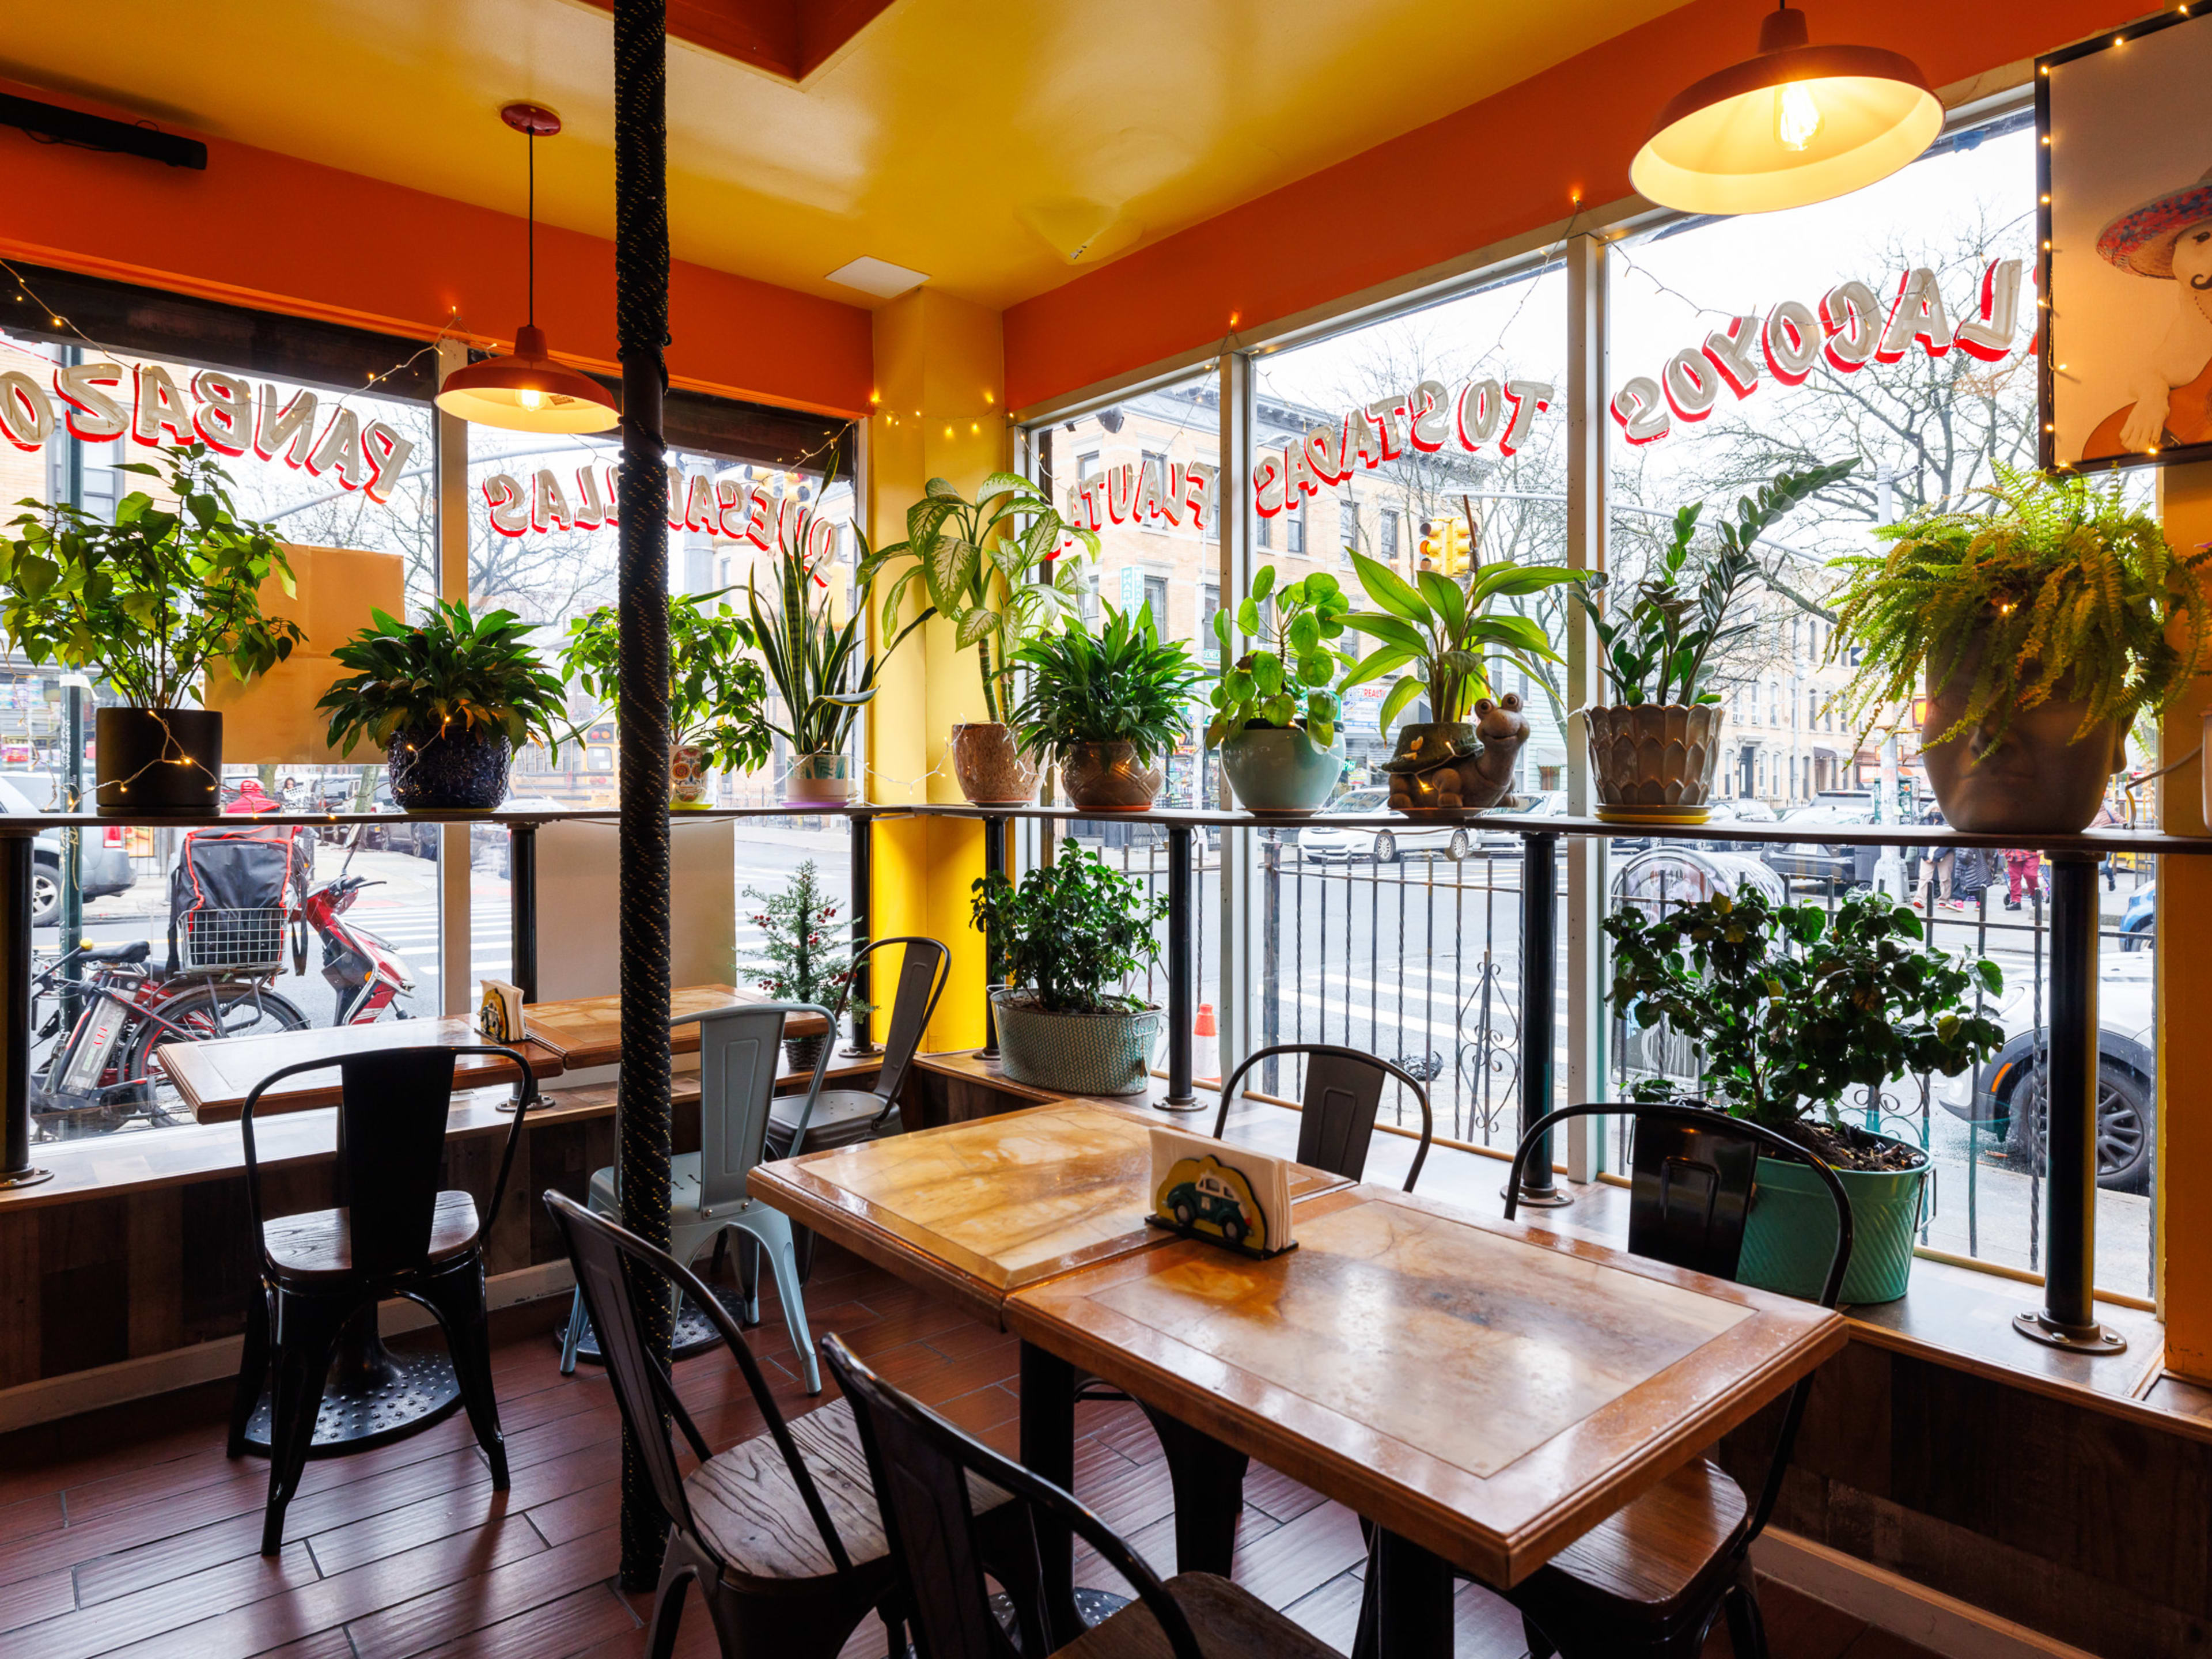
1284	680
1118	685
1656	649
1445	632
823	671
1789	1007
801	957
149	600
2068	586
449	669
1071	930
717	693
979	562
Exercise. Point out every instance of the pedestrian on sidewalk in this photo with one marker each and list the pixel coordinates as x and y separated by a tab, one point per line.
1935	884
2022	864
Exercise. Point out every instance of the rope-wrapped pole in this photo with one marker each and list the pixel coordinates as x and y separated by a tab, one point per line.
641	599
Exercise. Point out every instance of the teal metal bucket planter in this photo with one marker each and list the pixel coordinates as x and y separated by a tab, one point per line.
1281	769
1791	1233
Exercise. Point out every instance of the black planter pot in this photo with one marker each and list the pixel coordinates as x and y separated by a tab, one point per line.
159	761
458	769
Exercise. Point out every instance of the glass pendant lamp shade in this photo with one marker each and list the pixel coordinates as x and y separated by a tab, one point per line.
1796	124
527	391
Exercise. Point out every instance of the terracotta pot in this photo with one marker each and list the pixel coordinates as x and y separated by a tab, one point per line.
1655	760
2036	779
991	770
690	785
819	778
158	760
1106	777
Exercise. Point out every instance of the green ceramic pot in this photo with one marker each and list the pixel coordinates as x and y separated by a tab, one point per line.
1280	769
1791	1233
1076	1054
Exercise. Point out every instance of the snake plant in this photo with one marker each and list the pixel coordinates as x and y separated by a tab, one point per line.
823	671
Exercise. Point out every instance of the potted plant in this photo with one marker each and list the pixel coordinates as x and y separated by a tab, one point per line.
1275	720
822	670
1108	707
980	564
1654	748
1060	941
147	602
1788	1007
800	959
717	694
2039	632
447	699
1444	633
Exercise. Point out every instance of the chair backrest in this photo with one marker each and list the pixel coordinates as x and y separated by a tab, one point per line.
599	1249
924	969
920	1465
1343	1096
394	1105
737	1050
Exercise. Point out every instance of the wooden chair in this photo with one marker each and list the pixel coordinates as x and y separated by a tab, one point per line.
707	1195
1651	1579
781	1532
392	1233
1343	1098
927	1473
845	1117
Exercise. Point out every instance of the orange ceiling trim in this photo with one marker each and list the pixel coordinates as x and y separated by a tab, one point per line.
295	237
789	39
1484	174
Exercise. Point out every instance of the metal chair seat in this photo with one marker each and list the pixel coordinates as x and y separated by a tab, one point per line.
1229	1621
319	1243
841	1117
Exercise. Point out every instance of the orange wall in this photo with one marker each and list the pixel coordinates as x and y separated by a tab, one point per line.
263	229
1494	170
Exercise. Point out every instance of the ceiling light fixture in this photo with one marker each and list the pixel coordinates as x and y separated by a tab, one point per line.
525	391
1796	124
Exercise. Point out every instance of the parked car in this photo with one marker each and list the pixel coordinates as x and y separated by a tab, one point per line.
1836	864
103	863
420	839
2138	920
1324	843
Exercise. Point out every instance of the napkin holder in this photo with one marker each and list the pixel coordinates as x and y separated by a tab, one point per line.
1230	1197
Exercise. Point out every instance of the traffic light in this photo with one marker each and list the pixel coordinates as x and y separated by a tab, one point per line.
1435	540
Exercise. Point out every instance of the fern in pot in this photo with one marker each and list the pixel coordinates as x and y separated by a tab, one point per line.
1789	1010
447	699
2036	632
1060	940
1108	707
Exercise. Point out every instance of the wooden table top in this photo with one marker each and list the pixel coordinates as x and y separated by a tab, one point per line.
214	1077
587	1031
1482	1387
977	1211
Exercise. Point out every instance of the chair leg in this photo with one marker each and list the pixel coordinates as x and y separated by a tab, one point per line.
749	1267
252	1370
574	1334
668	1601
782	1262
1747	1625
802	1240
1540	1646
457	1296
1208	1479
305	1336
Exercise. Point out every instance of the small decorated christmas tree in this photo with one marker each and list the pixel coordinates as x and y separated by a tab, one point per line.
802	958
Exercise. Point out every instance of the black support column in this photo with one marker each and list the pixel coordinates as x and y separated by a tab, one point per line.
862	853
641	598
994	864
1182	1002
1540	908
522	905
16	1170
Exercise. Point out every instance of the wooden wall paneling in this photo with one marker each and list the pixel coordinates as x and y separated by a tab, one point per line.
155	1237
218	1272
19	1298
84	1314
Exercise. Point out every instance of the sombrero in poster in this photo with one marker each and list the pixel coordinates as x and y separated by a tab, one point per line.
2144	241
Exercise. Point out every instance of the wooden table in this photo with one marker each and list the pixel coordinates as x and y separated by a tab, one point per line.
587	1031
214	1077
1485	1391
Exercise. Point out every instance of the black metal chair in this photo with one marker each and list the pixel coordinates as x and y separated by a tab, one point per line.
844	1117
780	1532
926	1473
1651	1579
1343	1098
392	1233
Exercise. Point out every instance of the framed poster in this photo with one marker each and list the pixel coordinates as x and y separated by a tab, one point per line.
2124	212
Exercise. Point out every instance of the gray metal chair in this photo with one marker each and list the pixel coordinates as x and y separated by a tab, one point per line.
844	1117
707	1197
1343	1098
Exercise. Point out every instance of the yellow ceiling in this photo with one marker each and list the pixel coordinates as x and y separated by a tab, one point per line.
951	136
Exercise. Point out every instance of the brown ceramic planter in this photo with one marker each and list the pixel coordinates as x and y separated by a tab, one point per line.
2036	779
1106	777
1655	759
991	770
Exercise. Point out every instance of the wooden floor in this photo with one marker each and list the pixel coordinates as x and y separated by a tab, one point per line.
128	1532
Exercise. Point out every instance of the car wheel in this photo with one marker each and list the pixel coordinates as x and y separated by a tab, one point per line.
1232	1229
1386	847
45	894
1182	1215
2132	939
2126	1124
1458	847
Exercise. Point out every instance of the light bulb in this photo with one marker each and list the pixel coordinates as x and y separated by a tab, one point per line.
531	397
1797	115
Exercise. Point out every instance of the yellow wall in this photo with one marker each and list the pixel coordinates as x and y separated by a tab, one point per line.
940	413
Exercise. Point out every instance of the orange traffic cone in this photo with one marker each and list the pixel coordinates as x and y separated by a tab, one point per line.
1205	1046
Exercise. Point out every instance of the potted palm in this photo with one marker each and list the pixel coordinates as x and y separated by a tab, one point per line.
2039	632
1445	634
717	694
1060	941
1108	706
447	699
1787	1008
994	568
1654	748
822	670
1276	721
148	602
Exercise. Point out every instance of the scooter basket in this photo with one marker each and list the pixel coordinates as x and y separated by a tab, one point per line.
231	941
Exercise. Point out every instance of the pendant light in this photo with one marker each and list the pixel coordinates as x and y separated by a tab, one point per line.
526	391
1797	124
